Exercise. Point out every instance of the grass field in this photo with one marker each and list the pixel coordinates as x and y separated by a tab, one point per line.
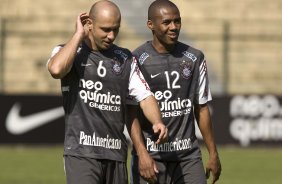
44	165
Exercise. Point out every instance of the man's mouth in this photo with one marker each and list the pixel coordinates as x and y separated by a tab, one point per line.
173	35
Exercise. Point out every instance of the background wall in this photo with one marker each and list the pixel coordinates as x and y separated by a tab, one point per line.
241	40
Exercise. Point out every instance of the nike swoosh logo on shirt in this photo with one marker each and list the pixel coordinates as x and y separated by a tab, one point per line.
87	64
153	76
17	124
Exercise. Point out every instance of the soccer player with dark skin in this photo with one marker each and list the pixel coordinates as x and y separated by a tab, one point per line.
177	75
96	78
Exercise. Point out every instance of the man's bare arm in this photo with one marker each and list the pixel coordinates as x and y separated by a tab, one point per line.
152	112
147	166
60	64
202	115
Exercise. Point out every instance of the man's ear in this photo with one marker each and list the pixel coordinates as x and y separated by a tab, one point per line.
150	25
89	24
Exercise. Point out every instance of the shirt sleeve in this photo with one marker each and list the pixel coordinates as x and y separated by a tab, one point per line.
54	51
203	94
138	87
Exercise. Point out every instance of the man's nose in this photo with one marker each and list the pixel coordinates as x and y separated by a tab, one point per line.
111	35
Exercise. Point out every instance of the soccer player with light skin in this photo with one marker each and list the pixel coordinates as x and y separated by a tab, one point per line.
96	77
177	75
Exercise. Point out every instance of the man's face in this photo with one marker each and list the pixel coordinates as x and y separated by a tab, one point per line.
166	26
105	31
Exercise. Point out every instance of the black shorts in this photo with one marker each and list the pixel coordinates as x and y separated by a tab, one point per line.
188	172
82	170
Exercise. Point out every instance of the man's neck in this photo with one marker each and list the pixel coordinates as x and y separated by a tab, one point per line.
162	48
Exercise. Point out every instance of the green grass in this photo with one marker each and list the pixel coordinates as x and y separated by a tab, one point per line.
250	165
31	165
44	165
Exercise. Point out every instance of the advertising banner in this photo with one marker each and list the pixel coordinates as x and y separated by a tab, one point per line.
248	120
245	120
31	119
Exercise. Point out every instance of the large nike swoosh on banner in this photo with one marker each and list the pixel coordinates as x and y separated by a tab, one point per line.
16	124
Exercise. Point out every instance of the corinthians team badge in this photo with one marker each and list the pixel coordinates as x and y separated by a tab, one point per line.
116	66
186	69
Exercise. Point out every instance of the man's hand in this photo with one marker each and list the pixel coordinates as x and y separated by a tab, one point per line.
160	128
147	167
213	166
82	28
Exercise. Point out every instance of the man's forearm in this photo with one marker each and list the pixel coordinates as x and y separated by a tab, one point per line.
134	130
204	121
205	126
151	110
61	63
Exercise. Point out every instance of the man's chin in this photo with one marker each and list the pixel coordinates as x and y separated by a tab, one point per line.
171	42
105	47
174	40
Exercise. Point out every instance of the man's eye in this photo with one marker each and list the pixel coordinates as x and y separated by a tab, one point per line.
115	30
177	21
166	22
106	30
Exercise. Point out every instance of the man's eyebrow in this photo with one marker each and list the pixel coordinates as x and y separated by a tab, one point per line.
168	19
